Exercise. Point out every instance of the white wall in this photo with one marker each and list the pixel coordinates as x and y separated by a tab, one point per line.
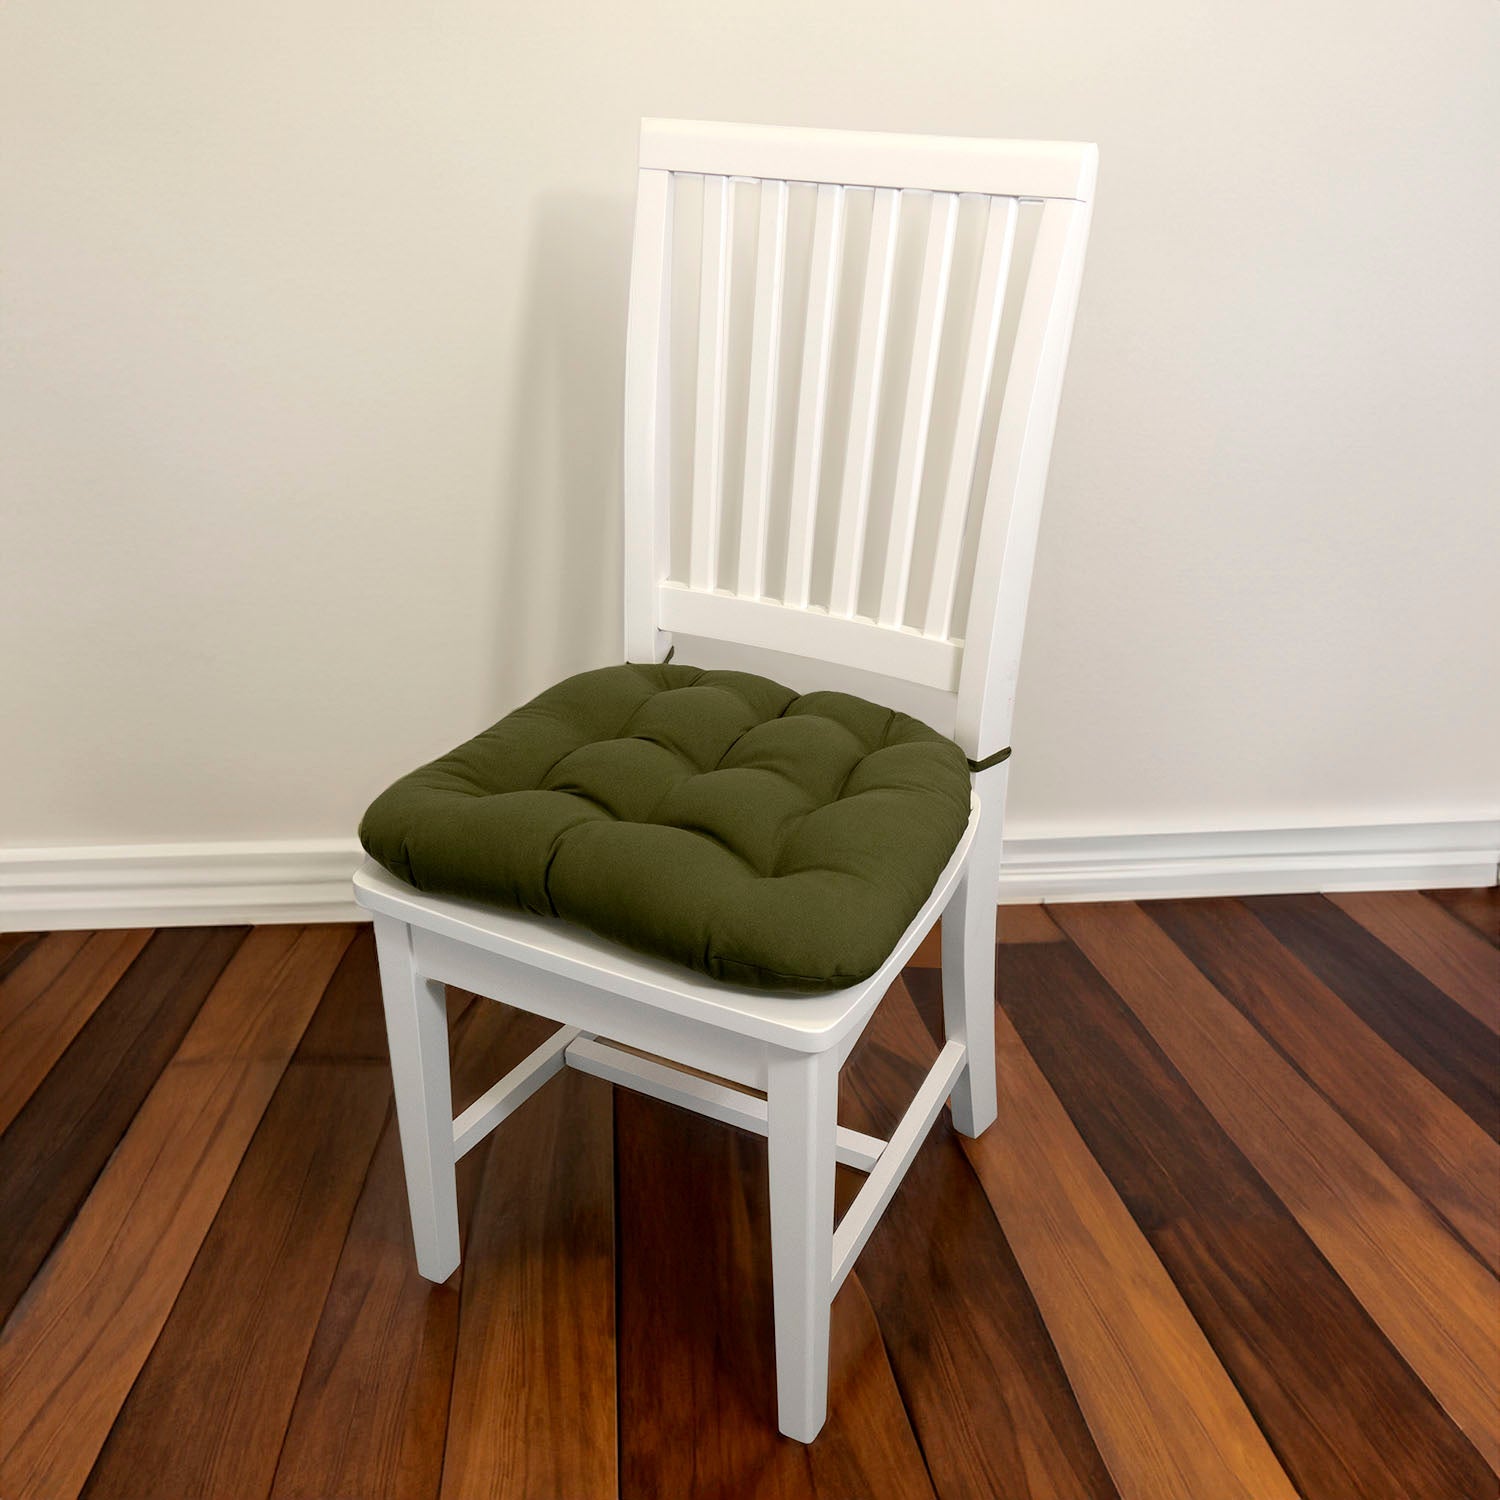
313	322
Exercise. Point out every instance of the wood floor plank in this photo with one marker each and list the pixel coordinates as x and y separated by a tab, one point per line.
1015	924
987	1397
77	1340
349	1023
56	1147
1435	943
371	1415
1438	1037
1478	908
1433	1300
1431	1144
37	1024
1026	922
15	948
43	961
238	1334
372	1409
533	1409
697	1387
1167	1418
1343	1411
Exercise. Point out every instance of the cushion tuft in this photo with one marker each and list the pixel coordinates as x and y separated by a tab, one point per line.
716	819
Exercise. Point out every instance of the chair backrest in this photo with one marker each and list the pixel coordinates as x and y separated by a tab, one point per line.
836	446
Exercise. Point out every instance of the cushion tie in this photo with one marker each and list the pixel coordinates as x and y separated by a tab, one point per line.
976	766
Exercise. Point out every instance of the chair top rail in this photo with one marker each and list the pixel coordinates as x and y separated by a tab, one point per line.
950	164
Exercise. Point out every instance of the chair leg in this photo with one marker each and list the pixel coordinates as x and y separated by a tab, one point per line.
969	991
416	1021
802	1123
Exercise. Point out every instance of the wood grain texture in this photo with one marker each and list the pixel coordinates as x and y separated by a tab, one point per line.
1025	923
1167	1418
1433	1300
1220	1251
36	965
988	1400
259	1283
56	1147
1028	923
263	1273
1478	908
1434	942
15	947
36	1024
74	1345
696	1366
1343	1411
533	1410
349	1023
1431	1144
371	1415
1438	1037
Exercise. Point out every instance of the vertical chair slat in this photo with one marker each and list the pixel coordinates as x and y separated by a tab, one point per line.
713	368
874	323
812	399
932	304
760	421
648	405
989	302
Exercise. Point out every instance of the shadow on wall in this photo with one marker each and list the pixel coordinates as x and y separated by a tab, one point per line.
556	600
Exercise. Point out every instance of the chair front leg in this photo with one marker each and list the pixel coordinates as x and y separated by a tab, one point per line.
802	1124
416	1023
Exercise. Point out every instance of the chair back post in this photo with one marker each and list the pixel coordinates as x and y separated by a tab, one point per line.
874	521
1012	516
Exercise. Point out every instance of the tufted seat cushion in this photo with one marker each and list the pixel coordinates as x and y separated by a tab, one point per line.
715	819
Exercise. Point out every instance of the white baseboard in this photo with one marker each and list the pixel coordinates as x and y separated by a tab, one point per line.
178	885
307	880
1251	862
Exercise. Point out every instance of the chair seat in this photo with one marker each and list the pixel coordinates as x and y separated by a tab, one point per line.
714	819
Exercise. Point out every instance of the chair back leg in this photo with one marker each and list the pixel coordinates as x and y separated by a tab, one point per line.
969	966
416	1022
802	1125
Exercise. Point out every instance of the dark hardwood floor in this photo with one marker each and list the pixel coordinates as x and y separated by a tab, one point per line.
1235	1234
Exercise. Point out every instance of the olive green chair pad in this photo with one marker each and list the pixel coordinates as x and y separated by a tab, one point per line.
714	819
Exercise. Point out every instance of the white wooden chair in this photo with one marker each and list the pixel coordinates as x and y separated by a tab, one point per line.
887	626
